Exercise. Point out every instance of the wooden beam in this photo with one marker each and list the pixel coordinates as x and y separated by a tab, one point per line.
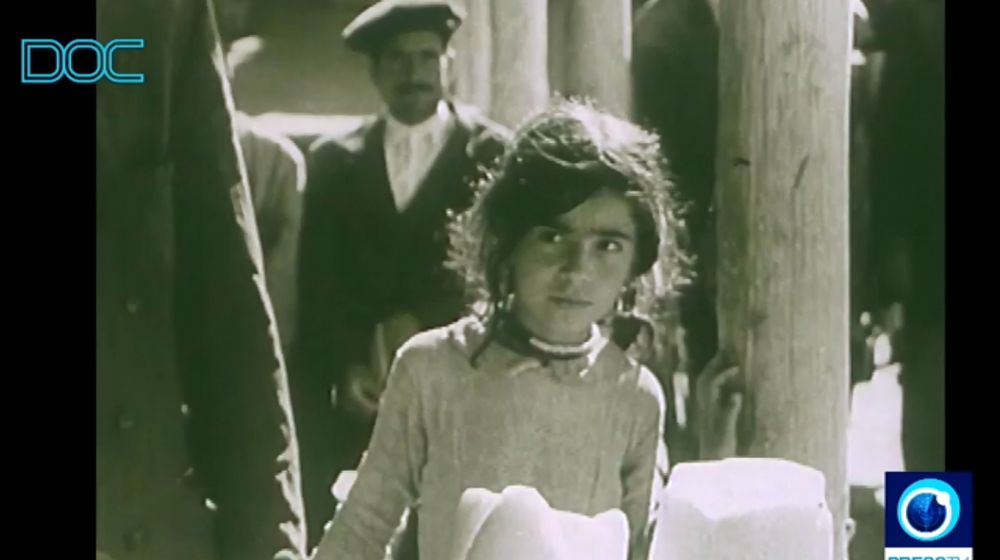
472	46
598	52
519	60
782	215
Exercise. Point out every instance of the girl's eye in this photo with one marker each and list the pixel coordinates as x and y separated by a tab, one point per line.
610	245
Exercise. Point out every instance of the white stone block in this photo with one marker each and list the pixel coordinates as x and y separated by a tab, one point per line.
744	509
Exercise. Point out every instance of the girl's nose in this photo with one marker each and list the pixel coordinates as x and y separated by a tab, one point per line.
575	259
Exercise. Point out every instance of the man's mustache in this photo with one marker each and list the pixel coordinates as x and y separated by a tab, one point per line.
415	87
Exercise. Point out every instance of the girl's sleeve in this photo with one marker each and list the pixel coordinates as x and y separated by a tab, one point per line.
388	479
645	465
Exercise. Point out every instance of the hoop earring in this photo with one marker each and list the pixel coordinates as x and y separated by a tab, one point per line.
506	293
626	301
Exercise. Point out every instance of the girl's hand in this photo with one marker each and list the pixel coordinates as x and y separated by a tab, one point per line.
720	399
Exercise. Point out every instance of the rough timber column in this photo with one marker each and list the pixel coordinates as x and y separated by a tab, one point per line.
599	52
473	55
782	216
519	61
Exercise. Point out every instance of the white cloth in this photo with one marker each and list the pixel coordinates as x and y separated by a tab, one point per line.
519	523
744	509
411	150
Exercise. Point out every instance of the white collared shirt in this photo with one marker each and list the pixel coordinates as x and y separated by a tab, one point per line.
411	150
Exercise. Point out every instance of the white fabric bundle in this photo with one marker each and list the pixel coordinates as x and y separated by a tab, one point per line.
519	523
744	509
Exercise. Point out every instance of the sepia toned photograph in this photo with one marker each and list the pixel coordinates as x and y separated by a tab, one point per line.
519	279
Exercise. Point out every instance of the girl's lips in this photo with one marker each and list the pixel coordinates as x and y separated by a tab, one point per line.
569	301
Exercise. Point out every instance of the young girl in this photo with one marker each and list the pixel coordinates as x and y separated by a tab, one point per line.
577	219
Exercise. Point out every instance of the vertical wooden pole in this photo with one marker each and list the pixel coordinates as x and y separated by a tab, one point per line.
472	44
519	73
559	45
599	52
782	215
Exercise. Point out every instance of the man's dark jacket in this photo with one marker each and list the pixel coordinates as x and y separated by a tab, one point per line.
192	405
362	261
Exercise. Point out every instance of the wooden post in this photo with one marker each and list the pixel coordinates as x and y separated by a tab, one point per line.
559	45
519	73
472	55
598	52
782	214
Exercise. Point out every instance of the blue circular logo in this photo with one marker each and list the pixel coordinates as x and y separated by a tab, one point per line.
928	509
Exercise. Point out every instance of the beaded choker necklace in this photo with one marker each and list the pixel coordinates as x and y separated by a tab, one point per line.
513	334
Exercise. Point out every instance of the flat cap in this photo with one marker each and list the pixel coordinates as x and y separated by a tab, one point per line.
388	18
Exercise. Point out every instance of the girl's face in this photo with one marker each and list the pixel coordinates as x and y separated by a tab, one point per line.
569	275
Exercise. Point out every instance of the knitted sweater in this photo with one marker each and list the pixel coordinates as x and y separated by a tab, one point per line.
585	432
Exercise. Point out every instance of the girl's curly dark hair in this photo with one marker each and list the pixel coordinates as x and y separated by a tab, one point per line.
555	162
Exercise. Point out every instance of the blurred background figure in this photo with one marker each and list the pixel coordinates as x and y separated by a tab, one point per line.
907	185
276	170
374	234
675	90
196	453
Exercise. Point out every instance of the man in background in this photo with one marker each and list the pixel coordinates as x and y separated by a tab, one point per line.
276	171
907	180
196	452
374	235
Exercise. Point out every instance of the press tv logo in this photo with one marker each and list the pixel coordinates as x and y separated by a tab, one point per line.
928	516
82	61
